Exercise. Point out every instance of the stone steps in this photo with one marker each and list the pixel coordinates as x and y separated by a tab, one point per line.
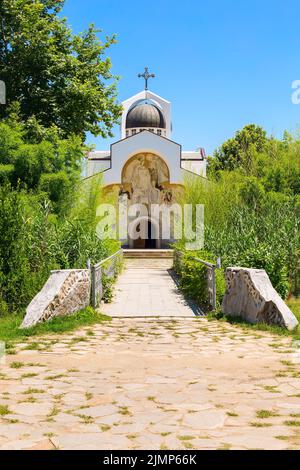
147	254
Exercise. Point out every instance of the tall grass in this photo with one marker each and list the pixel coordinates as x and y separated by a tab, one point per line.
35	240
250	227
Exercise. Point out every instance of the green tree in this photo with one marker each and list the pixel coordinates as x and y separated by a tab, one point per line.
57	77
240	150
37	159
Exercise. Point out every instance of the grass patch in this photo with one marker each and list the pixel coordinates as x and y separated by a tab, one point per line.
85	419
123	410
30	399
270	388
54	377
32	347
4	410
54	412
90	333
11	332
283	438
79	339
17	365
260	425
293	304
224	446
30	391
292	422
263	414
29	375
232	414
105	427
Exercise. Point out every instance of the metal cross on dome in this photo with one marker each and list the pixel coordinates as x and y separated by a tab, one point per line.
146	75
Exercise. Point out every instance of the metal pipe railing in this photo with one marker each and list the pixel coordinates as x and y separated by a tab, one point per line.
97	271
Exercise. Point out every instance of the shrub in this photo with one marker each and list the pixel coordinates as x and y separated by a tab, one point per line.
249	226
33	242
6	173
193	276
59	187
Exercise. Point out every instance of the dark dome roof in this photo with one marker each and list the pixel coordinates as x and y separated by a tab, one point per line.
145	114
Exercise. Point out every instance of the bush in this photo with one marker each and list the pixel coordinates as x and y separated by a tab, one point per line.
251	227
193	277
33	242
27	154
21	265
6	173
59	187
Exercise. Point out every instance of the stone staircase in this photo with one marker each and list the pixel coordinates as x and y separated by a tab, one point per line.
148	254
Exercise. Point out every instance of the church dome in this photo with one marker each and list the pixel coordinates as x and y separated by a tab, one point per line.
145	114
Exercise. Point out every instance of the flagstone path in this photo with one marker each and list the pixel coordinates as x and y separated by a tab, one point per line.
148	289
150	383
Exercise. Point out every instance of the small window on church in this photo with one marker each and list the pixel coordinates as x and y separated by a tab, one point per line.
133	131
159	131
127	133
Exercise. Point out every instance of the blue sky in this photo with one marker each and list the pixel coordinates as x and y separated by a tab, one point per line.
222	64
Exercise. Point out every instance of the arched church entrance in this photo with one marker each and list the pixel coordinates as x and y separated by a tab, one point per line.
144	233
145	180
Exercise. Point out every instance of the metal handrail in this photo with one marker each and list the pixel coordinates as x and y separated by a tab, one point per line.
117	253
97	278
210	265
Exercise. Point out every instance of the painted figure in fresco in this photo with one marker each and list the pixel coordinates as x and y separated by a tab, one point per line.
167	197
158	171
123	193
154	194
141	178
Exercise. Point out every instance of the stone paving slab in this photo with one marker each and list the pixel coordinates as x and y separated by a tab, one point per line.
146	289
152	384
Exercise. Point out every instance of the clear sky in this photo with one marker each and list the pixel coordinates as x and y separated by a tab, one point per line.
222	63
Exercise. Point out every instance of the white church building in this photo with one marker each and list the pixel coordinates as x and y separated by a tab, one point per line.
146	166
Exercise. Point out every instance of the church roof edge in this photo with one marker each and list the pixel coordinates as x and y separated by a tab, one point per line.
144	94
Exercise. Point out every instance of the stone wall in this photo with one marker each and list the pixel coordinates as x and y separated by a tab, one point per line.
65	292
250	295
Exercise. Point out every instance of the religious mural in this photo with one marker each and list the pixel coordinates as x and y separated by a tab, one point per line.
146	180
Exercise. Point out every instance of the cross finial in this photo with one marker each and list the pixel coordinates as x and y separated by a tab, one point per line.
146	75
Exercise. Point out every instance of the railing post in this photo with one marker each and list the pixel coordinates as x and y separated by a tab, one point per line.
93	300
214	287
97	288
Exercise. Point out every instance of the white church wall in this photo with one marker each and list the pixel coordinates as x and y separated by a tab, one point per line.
144	142
198	168
186	174
192	161
96	162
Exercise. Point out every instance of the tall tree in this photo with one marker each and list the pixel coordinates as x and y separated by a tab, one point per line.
61	78
238	151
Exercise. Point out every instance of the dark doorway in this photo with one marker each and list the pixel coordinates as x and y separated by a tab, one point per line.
150	242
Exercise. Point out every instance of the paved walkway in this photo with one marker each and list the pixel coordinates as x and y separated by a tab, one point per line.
146	289
152	384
